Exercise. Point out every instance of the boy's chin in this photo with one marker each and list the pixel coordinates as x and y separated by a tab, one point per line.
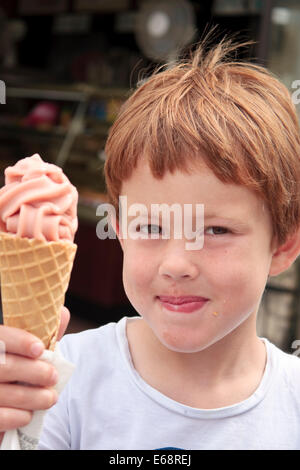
179	345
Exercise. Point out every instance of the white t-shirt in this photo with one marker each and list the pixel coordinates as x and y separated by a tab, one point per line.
107	405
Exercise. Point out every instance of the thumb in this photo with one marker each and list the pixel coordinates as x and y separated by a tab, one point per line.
64	321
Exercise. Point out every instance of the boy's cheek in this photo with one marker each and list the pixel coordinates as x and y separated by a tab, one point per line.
138	268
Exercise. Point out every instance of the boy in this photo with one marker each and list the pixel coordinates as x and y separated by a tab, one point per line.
190	371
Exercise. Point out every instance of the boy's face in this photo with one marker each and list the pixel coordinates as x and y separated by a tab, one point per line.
231	270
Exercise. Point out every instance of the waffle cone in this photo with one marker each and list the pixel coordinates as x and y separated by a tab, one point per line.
34	279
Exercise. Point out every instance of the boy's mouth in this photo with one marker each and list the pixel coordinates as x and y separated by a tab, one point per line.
184	299
182	304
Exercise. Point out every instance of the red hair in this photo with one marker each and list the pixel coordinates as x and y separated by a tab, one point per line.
235	116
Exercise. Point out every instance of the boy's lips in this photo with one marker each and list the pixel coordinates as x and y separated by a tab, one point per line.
184	299
182	304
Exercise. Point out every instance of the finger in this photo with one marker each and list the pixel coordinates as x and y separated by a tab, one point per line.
20	342
25	397
64	320
31	371
11	418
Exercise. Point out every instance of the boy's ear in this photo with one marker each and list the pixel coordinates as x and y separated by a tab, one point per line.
284	255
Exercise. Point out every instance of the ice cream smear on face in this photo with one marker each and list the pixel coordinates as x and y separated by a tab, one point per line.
38	201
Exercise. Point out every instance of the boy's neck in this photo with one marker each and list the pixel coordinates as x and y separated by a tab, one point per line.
223	374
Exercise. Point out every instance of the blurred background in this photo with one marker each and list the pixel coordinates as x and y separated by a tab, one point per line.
68	65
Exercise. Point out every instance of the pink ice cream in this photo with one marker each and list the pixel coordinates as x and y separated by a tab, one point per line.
38	201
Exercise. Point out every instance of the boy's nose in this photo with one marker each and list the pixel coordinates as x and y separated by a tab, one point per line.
176	268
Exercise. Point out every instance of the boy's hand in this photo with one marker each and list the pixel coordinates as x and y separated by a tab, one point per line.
21	364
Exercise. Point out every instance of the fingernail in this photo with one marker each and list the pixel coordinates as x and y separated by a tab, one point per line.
37	349
55	396
54	377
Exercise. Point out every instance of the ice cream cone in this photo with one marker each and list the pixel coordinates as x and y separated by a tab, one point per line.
34	279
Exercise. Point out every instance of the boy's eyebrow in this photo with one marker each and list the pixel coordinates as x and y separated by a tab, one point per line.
206	217
228	219
219	216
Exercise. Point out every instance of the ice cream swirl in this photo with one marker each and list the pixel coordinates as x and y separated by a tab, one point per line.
38	201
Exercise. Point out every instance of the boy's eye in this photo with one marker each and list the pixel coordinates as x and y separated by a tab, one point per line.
149	228
218	230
